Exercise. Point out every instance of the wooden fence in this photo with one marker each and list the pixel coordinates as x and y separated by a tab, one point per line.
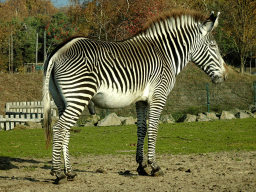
21	112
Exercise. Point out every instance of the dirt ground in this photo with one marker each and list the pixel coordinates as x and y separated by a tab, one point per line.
202	172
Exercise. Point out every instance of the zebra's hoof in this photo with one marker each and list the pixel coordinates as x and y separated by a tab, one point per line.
61	178
157	173
52	173
144	171
71	176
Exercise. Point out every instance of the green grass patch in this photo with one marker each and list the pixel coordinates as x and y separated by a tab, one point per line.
23	143
204	137
177	138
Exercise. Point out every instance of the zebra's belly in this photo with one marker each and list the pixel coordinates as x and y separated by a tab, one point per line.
111	98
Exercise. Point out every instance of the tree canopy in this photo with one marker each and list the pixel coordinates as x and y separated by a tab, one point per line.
22	20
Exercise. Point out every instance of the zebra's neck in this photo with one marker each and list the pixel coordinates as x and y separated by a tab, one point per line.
174	37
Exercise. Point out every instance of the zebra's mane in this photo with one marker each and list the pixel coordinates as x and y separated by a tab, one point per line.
198	17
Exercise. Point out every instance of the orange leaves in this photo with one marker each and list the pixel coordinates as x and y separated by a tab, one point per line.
24	8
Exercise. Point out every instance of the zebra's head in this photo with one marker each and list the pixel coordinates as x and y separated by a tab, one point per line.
206	53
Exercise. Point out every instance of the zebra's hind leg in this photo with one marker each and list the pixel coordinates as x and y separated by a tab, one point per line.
68	167
58	133
141	108
61	136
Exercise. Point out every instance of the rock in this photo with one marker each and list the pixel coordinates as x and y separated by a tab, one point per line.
252	108
100	170
227	115
93	119
253	115
127	120
211	116
189	118
166	119
33	125
110	120
89	124
202	117
242	115
234	111
181	169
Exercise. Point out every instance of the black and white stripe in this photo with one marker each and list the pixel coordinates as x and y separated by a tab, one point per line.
139	70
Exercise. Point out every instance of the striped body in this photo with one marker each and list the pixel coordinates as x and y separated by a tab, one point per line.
139	70
117	79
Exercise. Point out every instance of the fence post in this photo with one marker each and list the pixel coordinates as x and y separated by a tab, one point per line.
7	107
254	89
208	98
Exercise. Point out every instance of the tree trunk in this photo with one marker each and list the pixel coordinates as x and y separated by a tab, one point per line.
242	65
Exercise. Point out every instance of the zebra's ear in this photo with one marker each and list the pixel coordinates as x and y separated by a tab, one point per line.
210	24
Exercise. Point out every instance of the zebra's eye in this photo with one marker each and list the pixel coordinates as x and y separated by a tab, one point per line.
213	45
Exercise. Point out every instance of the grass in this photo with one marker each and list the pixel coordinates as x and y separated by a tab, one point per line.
177	138
205	137
23	143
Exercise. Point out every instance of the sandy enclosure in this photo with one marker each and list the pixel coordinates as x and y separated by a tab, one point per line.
202	172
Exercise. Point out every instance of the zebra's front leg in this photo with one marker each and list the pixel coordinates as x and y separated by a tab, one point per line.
141	108
152	135
155	110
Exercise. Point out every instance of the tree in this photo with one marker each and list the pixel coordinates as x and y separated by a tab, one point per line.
96	18
23	19
24	40
140	11
113	20
240	23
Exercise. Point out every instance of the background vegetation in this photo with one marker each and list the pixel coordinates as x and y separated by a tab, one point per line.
21	20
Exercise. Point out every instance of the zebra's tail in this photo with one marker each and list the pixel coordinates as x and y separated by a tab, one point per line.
47	104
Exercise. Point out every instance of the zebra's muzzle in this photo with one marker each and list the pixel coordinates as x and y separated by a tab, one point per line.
219	79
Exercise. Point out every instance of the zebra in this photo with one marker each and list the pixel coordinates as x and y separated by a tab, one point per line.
140	70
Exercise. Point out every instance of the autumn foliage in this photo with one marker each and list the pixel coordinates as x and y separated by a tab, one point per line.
21	20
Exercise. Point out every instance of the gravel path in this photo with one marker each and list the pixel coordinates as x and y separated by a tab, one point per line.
204	172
